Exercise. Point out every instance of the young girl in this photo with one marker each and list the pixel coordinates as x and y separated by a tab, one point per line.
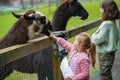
106	38
82	53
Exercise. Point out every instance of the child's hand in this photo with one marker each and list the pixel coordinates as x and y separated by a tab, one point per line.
53	36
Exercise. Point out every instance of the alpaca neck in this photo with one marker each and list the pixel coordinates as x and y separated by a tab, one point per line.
16	35
60	20
4	43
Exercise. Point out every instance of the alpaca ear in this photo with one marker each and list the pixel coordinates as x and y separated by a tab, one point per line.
72	1
16	15
29	17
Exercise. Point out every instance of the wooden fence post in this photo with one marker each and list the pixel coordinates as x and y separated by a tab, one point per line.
56	67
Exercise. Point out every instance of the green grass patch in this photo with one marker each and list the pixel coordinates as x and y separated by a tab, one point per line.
22	76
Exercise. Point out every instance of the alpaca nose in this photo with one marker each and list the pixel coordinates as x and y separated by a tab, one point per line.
85	16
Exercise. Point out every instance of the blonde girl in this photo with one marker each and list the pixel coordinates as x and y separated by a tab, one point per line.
82	53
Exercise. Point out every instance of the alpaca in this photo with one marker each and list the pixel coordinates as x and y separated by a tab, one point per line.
65	11
22	31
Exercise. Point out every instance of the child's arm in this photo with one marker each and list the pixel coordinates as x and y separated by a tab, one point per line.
53	36
62	42
100	36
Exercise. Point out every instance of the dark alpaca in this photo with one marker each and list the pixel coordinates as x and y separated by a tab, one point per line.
23	30
65	11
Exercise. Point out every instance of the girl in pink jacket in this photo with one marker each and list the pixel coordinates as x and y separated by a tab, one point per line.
82	53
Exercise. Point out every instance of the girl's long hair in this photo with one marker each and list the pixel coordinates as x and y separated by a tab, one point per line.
92	54
90	47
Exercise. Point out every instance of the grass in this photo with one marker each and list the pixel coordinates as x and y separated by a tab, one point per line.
21	76
7	20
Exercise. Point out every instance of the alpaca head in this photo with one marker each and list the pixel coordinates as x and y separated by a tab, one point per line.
77	9
38	21
66	10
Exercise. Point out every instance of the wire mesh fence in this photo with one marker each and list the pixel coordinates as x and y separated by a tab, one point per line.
37	66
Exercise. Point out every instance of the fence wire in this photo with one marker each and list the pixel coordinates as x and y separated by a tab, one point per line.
37	66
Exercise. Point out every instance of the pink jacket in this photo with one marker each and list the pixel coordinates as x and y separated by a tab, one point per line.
79	62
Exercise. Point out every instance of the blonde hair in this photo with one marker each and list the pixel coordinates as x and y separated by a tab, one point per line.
90	47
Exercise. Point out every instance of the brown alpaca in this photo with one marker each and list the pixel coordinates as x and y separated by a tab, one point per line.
24	29
28	25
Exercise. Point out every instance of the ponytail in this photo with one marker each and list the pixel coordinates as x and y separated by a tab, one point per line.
92	54
85	40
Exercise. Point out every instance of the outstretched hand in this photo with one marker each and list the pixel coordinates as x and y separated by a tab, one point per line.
54	37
